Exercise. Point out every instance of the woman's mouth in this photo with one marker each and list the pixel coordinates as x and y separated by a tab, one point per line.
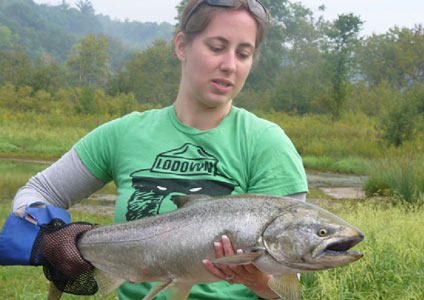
222	85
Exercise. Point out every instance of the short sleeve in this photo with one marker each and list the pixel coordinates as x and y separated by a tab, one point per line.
97	149
276	168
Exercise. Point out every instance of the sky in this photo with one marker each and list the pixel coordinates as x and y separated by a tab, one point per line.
378	15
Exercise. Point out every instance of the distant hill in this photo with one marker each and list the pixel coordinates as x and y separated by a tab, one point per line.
52	30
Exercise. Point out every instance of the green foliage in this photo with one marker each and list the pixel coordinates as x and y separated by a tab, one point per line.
342	36
54	29
153	75
353	164
398	123
89	62
291	29
353	135
301	89
395	57
374	100
15	66
35	34
48	75
5	38
135	34
402	178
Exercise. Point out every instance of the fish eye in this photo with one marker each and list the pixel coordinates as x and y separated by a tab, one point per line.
323	232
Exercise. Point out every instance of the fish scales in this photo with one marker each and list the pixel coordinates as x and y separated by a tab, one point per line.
281	236
194	228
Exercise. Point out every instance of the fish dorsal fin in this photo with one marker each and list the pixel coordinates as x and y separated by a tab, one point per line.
187	200
157	289
240	259
286	286
107	282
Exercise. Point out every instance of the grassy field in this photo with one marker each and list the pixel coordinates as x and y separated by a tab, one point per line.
348	145
392	267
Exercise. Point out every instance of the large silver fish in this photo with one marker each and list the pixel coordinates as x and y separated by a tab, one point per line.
280	236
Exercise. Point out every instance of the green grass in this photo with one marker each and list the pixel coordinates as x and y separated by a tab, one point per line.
393	264
29	138
14	175
349	165
402	178
392	267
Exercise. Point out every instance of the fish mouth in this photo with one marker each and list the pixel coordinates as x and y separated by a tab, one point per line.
341	247
338	249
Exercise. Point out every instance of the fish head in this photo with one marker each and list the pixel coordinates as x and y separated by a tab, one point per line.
307	238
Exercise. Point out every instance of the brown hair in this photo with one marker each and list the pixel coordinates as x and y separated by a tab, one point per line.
203	15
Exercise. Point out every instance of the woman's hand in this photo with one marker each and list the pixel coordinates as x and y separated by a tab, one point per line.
248	275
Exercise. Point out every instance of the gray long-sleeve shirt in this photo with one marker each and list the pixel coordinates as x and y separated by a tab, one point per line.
63	184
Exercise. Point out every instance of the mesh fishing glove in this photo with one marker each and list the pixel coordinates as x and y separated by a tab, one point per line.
64	265
40	235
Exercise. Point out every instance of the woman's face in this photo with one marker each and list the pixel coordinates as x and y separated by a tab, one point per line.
217	62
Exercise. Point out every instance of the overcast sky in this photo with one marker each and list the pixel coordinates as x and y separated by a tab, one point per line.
379	15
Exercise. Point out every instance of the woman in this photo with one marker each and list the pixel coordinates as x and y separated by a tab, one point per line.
201	144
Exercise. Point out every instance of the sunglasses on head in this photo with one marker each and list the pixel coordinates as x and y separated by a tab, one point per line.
255	7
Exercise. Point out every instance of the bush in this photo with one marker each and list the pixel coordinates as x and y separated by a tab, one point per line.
398	124
401	178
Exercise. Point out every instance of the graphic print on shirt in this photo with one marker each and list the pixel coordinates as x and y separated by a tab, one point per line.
186	170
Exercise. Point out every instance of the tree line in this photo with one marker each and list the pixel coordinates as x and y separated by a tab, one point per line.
307	65
54	29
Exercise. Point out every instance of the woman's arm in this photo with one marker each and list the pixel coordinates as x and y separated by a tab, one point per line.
64	183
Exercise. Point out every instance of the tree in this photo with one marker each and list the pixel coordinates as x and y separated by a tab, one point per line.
85	7
395	57
6	38
15	66
48	75
90	61
291	25
342	36
153	75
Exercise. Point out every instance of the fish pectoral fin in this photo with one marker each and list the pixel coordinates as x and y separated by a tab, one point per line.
157	289
239	259
286	286
179	291
107	282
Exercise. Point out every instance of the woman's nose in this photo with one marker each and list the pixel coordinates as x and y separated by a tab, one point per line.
228	63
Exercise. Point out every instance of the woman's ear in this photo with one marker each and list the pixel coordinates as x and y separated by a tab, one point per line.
180	46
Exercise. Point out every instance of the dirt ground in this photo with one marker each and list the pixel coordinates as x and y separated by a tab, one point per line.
345	192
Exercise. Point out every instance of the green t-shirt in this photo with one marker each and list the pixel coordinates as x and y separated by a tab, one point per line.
152	156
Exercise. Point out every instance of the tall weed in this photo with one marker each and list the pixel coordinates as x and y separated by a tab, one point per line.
401	178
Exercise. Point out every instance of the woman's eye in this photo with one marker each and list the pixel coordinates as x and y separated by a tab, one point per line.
244	55
215	48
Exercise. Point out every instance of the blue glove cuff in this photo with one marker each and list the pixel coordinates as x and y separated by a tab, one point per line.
19	233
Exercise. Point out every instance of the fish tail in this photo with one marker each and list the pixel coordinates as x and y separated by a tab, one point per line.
54	292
